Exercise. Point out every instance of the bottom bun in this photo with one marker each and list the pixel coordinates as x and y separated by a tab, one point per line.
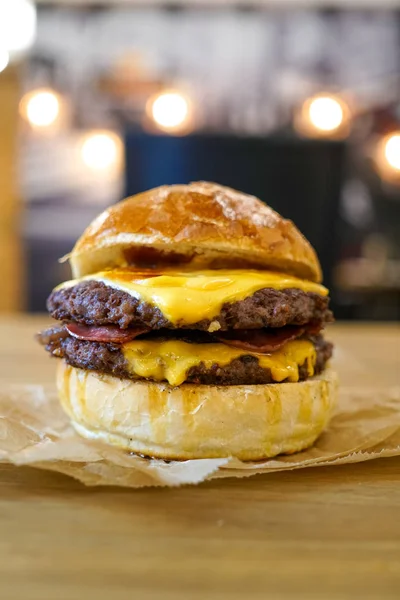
250	422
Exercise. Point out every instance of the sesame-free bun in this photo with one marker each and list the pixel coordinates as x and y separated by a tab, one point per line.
200	225
250	422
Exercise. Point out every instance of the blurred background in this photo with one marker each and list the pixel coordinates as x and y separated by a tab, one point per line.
296	102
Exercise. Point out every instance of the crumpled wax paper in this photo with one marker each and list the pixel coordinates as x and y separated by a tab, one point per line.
34	431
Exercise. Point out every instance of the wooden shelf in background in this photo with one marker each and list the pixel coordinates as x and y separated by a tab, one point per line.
10	246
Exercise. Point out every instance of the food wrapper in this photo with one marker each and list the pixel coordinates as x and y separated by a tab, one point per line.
34	431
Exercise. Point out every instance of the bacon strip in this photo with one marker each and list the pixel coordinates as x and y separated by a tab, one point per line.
263	341
314	328
260	340
106	333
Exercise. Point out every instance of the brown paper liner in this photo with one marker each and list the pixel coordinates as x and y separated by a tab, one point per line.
34	431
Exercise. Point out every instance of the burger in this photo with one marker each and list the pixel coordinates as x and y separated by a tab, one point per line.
192	328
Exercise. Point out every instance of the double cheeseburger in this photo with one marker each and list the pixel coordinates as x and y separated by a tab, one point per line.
193	328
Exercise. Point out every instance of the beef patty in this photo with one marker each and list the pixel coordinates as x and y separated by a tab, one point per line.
94	303
108	358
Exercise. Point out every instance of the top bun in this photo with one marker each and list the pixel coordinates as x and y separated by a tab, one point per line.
200	225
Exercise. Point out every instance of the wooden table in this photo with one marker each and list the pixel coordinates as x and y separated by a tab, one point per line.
322	533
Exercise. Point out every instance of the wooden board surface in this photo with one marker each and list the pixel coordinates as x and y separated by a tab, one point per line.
322	533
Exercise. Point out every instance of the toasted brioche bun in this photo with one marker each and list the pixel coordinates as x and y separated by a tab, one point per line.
200	225
250	422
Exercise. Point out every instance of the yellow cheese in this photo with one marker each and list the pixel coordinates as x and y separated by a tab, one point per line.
188	297
171	360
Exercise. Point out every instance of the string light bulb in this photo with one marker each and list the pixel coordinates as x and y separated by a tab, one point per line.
392	151
17	25
387	157
4	59
170	111
323	115
101	150
41	108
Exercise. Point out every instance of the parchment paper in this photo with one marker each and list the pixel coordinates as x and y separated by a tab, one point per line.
34	431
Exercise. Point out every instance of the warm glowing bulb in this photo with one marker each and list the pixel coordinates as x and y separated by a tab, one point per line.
325	113
41	108
392	151
170	110
101	150
17	24
4	59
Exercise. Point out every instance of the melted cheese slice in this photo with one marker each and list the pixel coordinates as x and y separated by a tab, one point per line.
172	359
189	297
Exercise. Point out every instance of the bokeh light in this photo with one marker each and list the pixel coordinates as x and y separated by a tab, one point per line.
4	59
325	113
17	25
392	151
386	154
41	108
170	111
101	150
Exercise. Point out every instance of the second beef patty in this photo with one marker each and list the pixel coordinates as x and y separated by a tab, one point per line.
108	358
